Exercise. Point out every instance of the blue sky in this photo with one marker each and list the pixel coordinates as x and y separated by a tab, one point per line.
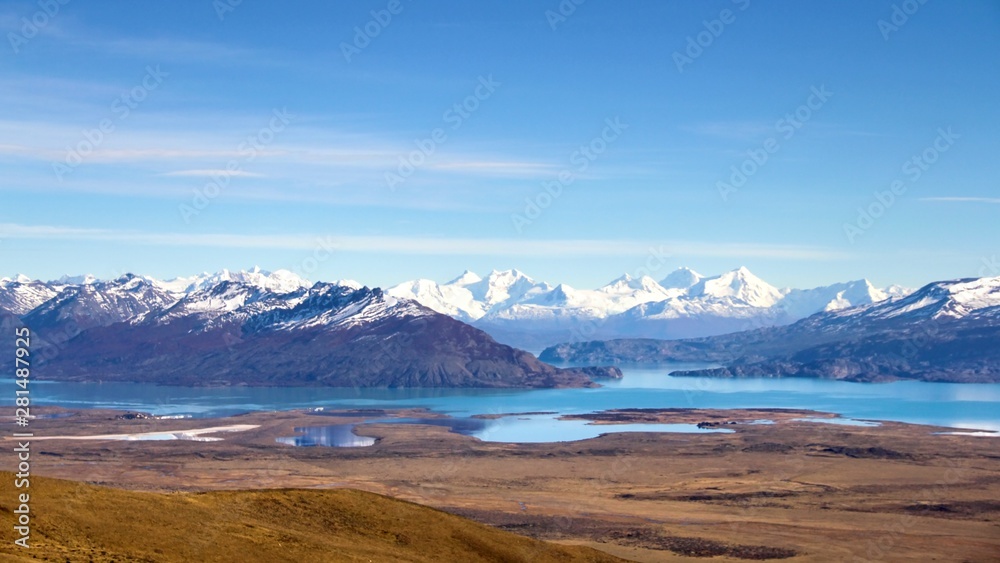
449	136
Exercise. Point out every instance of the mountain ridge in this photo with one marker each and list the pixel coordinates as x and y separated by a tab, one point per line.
248	331
520	311
683	304
944	331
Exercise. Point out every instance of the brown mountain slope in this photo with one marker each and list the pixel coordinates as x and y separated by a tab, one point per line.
79	522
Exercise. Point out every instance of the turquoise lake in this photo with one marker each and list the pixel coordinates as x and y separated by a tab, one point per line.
968	406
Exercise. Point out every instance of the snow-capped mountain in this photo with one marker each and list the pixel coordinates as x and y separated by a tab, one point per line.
510	305
954	299
21	294
515	308
681	278
740	287
452	299
800	303
224	303
237	332
83	279
78	307
282	281
945	331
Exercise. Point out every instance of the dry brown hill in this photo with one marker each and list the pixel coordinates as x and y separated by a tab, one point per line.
80	522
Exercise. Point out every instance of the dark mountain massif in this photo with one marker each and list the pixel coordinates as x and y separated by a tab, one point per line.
239	333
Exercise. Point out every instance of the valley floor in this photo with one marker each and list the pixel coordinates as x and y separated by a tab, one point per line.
791	490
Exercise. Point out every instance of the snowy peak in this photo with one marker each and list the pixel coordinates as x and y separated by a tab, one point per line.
511	302
21	294
948	299
468	277
800	303
83	279
19	278
741	286
351	284
281	281
126	298
681	278
330	306
628	284
507	286
215	301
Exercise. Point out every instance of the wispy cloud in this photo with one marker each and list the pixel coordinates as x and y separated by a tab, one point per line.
169	49
214	173
963	199
425	245
741	130
495	167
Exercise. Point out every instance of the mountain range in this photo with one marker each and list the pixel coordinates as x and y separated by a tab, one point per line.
260	328
945	331
520	311
255	327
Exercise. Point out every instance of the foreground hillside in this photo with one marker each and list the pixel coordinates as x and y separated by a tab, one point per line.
79	522
946	331
796	491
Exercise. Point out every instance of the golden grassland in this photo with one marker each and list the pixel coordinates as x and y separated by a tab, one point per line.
79	522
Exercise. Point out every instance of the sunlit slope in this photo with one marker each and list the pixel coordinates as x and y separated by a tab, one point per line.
79	522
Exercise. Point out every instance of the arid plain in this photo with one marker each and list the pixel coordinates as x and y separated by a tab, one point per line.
790	490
